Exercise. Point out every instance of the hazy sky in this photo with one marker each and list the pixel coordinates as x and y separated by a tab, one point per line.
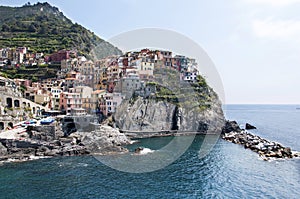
255	44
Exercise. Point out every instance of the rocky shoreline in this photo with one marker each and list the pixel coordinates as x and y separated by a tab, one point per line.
48	141
42	143
266	149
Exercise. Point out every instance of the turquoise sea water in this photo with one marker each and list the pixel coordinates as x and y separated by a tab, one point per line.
229	171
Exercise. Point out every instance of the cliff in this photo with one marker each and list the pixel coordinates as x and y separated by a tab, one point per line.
185	107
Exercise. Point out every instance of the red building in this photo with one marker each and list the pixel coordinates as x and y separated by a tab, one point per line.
60	55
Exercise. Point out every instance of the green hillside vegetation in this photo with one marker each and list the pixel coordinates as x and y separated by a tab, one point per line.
44	28
197	95
33	73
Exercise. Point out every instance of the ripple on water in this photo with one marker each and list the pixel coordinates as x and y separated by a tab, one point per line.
229	171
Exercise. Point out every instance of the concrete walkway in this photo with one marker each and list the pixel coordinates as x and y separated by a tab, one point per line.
12	134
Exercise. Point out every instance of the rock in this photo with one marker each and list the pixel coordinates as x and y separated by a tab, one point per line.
57	143
266	149
278	154
44	133
138	150
59	133
105	139
249	126
3	150
296	154
54	152
231	126
287	152
154	116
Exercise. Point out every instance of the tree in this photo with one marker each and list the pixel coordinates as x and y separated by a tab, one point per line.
5	28
55	31
43	29
34	79
32	28
27	4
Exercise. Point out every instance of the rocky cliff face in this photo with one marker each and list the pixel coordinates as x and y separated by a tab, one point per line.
174	104
152	115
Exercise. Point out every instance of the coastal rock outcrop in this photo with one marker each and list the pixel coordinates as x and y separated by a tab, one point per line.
231	126
249	126
168	103
38	143
146	114
266	149
104	139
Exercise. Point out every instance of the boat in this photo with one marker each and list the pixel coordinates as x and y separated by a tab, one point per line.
30	122
46	121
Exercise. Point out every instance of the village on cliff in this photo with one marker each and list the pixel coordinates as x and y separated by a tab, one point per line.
81	86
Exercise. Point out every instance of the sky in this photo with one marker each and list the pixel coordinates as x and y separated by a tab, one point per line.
254	44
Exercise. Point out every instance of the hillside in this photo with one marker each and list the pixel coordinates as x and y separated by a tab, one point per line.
44	28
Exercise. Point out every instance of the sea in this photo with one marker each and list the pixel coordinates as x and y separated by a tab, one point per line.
227	171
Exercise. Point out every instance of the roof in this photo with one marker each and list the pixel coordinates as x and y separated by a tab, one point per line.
98	91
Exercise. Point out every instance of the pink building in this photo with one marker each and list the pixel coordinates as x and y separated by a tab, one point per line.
70	102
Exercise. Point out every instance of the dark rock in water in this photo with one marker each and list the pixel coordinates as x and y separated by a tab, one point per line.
138	150
287	152
249	126
231	126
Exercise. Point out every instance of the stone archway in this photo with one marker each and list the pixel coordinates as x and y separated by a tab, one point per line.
9	102
28	104
17	103
24	104
1	126
10	124
33	110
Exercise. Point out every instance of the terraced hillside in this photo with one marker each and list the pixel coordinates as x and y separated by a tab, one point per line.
44	28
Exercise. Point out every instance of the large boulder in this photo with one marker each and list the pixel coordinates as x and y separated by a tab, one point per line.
104	140
249	126
231	126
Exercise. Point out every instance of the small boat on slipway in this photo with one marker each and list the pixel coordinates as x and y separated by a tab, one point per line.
46	121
